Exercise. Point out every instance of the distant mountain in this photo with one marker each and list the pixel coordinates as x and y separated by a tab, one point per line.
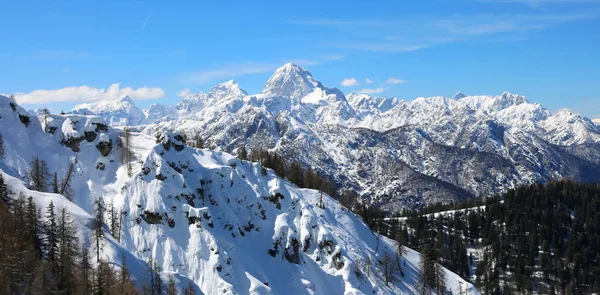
118	112
393	152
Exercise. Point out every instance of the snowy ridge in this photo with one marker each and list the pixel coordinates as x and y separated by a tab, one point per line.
204	216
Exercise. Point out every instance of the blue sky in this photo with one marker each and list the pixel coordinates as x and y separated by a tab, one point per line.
546	50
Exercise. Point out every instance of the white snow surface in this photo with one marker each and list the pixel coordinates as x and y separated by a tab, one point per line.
205	216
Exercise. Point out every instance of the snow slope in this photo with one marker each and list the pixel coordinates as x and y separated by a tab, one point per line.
229	226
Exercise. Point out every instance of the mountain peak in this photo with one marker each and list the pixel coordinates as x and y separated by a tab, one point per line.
228	89
513	98
126	98
290	81
459	95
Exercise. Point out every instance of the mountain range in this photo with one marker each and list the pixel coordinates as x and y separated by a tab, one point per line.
394	153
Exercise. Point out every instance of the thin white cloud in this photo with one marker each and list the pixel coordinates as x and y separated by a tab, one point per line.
304	62
145	22
393	80
60	54
597	121
66	70
228	72
349	82
371	90
88	94
184	92
368	81
332	57
382	46
419	32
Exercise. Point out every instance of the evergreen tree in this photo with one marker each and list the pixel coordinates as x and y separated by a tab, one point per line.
171	286
32	226
243	153
5	191
55	183
51	236
65	184
1	146
38	174
189	290
84	285
67	253
98	226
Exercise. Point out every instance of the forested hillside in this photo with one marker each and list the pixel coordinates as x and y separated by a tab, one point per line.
534	239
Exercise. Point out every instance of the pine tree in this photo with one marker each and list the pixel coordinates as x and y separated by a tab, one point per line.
432	275
84	285
125	284
389	266
55	183
32	224
5	191
243	153
38	174
98	226
65	184
51	236
171	286
189	290
1	146
67	253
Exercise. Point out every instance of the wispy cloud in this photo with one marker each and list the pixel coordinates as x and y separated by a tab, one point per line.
88	94
228	71
371	90
393	80
368	81
59	54
332	57
145	22
66	70
419	32
349	82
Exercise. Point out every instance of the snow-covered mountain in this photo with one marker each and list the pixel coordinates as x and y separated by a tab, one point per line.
395	152
118	112
229	226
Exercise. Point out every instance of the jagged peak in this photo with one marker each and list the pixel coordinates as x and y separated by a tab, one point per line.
227	89
514	98
126	98
291	81
459	95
